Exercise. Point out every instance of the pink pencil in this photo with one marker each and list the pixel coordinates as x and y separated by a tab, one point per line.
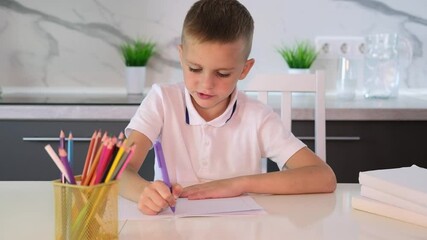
100	163
132	151
104	162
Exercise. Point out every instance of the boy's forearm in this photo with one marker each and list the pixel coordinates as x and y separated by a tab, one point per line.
131	185
310	179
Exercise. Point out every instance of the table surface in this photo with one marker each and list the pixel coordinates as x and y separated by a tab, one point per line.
27	212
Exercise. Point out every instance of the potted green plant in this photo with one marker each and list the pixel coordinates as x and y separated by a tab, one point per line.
299	57
136	55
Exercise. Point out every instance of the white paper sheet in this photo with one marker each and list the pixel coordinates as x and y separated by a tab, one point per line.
242	205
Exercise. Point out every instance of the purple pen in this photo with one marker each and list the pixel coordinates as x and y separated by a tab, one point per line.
162	165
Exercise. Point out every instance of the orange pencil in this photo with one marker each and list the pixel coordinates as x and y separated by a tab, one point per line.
104	137
94	151
88	155
93	166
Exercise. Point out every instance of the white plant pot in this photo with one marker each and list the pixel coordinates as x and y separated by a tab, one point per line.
135	79
299	71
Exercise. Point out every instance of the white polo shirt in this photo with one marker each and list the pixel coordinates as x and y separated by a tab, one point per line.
198	151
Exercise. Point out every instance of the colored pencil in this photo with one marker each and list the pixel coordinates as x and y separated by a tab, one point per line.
129	157
95	149
62	139
64	160
109	163
121	162
94	165
106	161
115	162
62	145
70	145
57	161
88	155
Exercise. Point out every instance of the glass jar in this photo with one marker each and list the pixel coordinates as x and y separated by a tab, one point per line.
383	65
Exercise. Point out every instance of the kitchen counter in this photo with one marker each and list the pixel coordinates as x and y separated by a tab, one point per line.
410	105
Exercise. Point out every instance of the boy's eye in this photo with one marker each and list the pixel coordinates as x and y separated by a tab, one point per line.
223	75
196	70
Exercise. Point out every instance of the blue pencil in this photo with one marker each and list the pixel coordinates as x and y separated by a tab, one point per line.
70	149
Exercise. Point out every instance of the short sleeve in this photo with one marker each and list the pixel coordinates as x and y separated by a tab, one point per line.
278	143
149	116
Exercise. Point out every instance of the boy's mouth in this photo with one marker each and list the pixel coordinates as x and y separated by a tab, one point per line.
203	96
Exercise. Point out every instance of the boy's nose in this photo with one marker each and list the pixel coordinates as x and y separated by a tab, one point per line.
208	81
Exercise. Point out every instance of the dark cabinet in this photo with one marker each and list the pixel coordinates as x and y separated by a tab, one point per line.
354	146
27	159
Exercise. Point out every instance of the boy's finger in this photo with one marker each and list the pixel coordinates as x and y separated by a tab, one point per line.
149	208
165	193
177	190
152	194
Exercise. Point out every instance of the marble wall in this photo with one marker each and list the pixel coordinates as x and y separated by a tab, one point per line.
72	46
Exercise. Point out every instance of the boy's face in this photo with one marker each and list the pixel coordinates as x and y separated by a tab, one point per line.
211	71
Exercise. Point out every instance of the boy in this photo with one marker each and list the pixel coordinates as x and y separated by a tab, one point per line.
213	136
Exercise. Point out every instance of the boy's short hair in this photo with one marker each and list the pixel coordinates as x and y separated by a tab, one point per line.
222	21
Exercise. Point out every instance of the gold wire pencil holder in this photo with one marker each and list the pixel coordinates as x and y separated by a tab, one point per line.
86	212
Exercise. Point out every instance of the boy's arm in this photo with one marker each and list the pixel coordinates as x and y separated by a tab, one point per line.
151	197
131	184
306	173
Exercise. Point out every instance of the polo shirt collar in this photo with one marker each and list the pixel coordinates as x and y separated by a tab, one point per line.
192	117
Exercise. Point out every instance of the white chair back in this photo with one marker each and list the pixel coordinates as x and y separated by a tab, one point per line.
285	85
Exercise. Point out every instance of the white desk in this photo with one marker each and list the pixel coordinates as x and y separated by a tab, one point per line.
26	212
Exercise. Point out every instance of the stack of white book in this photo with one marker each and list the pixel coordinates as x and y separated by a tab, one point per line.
399	193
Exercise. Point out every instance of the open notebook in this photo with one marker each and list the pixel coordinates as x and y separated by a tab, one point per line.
242	205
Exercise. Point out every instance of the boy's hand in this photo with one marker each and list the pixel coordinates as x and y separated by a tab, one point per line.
157	196
215	189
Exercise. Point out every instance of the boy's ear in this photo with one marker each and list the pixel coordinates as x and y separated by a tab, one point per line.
248	65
